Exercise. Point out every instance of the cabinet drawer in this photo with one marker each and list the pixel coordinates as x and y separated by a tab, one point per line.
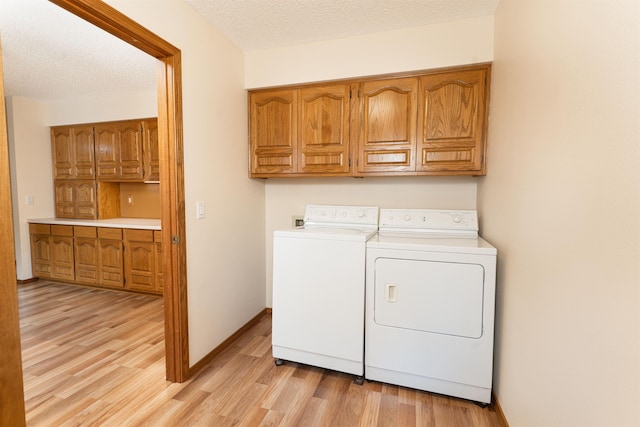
157	236
62	230
39	228
138	235
110	233
81	231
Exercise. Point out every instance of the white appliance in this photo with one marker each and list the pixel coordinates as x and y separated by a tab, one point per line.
430	296
318	288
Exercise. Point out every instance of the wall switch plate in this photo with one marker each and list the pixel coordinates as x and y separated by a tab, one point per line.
29	200
200	210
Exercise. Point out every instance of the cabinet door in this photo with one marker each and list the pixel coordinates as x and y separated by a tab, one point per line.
62	263
62	152
157	238
273	132
64	197
323	135
83	152
452	121
387	134
151	152
85	203
41	255
86	259
130	136
107	150
140	260
110	266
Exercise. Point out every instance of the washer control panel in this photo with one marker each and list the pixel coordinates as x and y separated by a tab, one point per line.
341	215
429	220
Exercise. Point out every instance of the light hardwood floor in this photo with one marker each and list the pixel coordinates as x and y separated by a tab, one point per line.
96	358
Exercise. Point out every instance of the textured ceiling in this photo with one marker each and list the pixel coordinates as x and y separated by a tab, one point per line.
50	54
262	24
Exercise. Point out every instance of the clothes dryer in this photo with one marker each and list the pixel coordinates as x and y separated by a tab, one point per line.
430	293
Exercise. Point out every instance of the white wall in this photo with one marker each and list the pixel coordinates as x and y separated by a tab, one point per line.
30	162
433	46
561	201
466	41
225	251
30	144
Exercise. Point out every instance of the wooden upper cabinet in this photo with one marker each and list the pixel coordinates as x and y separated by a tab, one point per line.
119	151
76	199
431	122
273	132
72	149
452	121
323	136
151	150
387	133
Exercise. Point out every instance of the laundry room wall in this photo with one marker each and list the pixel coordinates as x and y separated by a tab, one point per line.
561	202
432	46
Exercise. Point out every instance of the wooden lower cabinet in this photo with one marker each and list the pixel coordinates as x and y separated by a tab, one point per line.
99	256
52	251
110	258
141	261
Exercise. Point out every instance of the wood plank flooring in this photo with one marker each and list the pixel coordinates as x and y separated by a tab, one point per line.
95	357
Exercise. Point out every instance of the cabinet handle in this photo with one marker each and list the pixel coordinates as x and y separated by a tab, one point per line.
390	292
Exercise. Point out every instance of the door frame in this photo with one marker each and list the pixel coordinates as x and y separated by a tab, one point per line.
170	140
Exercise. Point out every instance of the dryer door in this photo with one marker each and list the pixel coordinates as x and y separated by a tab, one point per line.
429	296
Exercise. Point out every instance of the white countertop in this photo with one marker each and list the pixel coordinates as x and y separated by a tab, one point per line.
139	223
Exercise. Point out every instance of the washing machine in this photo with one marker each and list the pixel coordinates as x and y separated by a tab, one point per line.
430	297
319	288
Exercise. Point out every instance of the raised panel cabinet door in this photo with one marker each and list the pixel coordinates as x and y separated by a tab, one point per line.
107	148
62	152
41	255
62	258
150	150
452	122
64	192
86	260
110	263
83	152
273	132
387	134
131	162
85	203
323	134
140	266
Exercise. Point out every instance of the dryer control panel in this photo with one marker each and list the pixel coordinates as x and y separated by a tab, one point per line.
429	221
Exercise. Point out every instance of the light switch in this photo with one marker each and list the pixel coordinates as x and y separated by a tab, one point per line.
29	200
200	210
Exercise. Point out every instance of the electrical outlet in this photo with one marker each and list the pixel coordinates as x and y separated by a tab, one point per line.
129	199
297	221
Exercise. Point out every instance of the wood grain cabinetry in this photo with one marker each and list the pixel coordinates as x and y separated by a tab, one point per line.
119	151
387	131
110	257
75	199
302	131
432	122
72	152
142	261
98	256
52	251
151	150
